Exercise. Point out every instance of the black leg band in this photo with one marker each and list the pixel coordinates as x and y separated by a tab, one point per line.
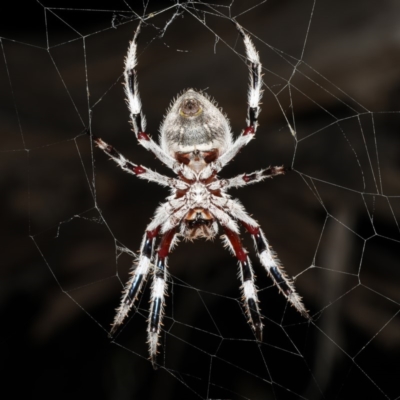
155	315
253	115
148	247
247	276
280	281
260	242
134	288
131	81
254	70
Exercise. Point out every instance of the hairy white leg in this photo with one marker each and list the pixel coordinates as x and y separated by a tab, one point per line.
138	170
135	283
255	88
249	290
254	97
224	218
167	215
166	210
246	179
271	263
231	152
267	257
134	102
233	207
131	86
158	290
151	145
156	312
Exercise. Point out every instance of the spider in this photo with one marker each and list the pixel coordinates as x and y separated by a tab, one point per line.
196	143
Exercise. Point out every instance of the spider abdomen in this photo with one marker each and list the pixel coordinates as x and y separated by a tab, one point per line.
194	122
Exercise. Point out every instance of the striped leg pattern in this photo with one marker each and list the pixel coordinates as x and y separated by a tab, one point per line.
158	291
254	98
255	87
249	290
135	283
275	270
132	87
128	166
135	104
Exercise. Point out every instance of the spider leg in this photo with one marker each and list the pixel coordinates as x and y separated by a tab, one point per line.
246	179
275	269
234	149
132	87
254	97
247	277
167	214
255	87
135	106
138	170
138	277
266	255
158	290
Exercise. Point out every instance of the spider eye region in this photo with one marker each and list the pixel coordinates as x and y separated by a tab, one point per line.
190	108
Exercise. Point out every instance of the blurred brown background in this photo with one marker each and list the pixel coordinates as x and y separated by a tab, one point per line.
333	220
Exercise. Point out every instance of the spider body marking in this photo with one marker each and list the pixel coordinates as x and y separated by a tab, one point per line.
196	143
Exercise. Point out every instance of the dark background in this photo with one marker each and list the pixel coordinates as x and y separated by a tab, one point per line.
333	220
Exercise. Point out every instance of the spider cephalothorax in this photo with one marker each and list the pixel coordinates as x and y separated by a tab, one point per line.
196	143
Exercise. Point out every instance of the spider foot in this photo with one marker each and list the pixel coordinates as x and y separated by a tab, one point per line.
273	171
286	286
122	312
238	27
255	319
153	344
259	332
296	301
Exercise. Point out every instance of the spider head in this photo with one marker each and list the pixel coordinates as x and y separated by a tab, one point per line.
194	123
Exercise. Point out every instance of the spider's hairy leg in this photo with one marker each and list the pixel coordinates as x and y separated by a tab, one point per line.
255	87
249	290
247	179
131	86
135	105
137	170
158	290
254	97
138	277
232	151
274	268
267	257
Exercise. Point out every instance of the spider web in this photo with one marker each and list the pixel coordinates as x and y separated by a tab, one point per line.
74	221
